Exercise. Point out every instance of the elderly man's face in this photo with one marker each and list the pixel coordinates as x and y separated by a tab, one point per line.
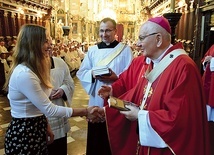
147	41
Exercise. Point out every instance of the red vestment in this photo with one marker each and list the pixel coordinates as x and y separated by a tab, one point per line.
208	79
129	78
177	112
208	83
117	136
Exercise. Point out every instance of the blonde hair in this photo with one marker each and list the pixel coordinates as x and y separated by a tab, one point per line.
28	51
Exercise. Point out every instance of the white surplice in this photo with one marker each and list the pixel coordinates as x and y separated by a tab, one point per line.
93	56
61	78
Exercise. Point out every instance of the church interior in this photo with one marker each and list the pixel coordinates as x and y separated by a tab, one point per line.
191	21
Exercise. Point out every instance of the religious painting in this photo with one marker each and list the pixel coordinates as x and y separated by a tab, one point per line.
61	16
62	19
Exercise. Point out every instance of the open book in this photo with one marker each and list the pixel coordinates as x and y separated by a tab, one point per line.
119	104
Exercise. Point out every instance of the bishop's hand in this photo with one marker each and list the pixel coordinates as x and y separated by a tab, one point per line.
207	58
104	91
132	114
95	114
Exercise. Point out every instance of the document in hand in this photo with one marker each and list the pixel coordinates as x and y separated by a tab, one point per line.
118	103
101	70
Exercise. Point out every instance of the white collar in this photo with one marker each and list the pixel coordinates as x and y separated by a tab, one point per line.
156	61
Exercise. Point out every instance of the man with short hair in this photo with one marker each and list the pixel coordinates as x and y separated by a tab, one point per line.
116	57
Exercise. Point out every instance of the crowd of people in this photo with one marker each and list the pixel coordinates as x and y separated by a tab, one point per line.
170	105
71	52
5	62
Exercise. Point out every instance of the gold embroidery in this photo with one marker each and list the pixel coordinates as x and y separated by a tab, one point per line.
150	91
145	98
145	106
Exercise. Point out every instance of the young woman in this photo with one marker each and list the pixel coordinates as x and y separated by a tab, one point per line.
29	89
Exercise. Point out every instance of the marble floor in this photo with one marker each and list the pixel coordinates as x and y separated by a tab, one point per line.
77	135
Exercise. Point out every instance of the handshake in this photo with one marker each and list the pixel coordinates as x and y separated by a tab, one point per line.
95	114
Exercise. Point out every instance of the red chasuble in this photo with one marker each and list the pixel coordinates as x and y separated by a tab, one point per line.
119	138
130	77
208	79
208	83
177	112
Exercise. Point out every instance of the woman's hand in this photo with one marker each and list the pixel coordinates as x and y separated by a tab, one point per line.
50	135
95	114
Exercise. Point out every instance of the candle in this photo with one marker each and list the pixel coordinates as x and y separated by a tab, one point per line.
172	6
66	18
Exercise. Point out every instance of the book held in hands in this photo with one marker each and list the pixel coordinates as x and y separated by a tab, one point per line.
101	71
118	103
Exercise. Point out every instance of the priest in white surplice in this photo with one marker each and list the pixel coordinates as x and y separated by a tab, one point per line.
61	95
117	57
